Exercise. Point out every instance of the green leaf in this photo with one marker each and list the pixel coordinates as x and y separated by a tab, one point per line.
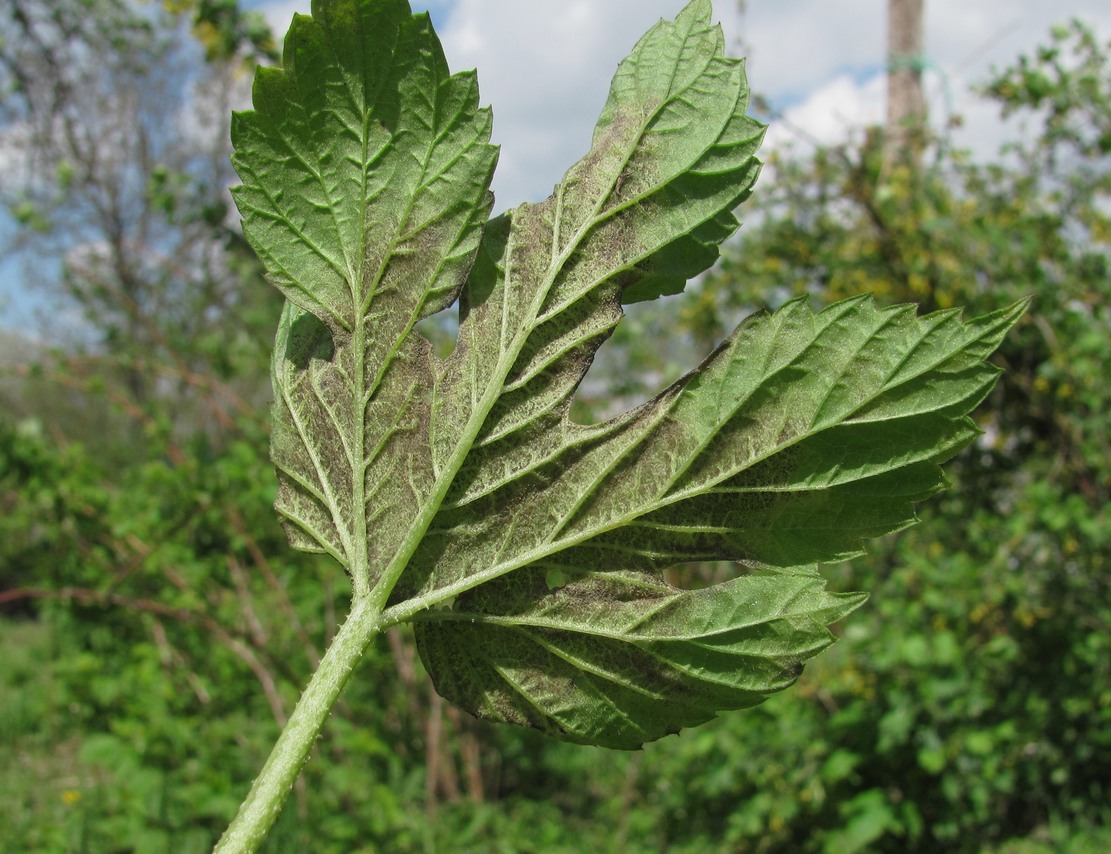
365	170
620	658
458	493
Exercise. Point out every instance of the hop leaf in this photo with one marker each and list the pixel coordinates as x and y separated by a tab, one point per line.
457	493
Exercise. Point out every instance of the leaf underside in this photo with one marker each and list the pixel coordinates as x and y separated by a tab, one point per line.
457	493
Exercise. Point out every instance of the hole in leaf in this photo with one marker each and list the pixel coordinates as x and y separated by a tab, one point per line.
441	330
646	353
309	338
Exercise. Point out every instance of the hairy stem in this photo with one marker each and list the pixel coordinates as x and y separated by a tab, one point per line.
271	788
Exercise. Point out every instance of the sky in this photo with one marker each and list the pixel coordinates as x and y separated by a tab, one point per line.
545	65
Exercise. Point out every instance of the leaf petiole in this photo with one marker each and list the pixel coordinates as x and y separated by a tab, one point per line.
268	793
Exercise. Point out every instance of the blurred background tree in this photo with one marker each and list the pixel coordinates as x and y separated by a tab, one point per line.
156	629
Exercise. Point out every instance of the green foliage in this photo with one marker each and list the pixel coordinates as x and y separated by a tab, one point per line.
227	31
964	708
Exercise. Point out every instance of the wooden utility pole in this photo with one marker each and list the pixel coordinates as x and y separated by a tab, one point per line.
906	106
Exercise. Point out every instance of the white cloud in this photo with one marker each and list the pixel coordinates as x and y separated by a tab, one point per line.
830	113
796	46
545	66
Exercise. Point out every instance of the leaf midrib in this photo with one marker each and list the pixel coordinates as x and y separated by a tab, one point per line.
361	570
790	607
496	383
